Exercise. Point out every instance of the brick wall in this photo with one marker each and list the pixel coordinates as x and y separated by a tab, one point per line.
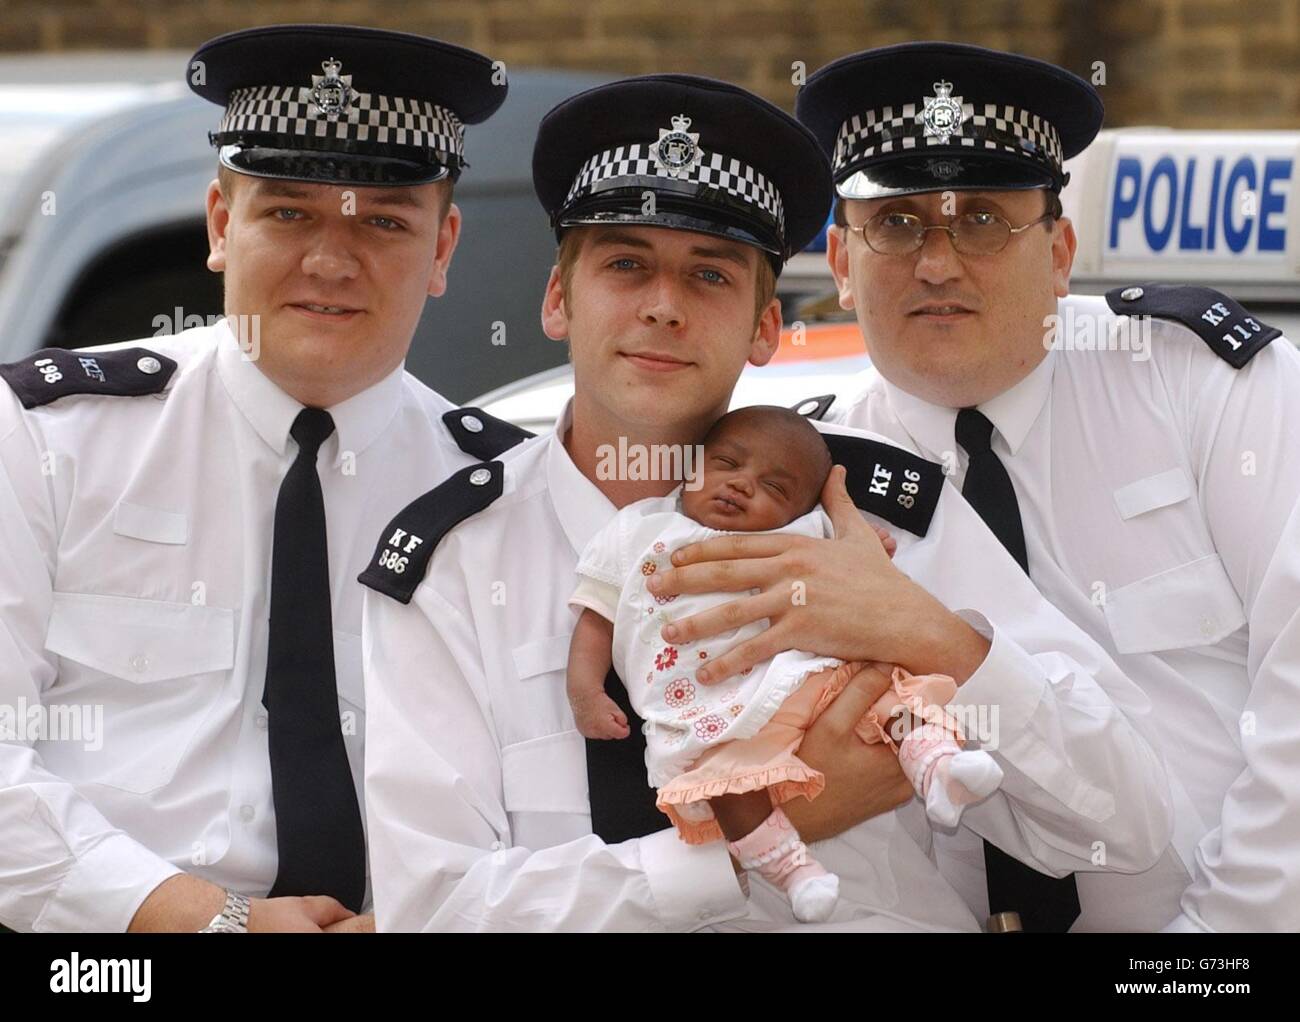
1186	63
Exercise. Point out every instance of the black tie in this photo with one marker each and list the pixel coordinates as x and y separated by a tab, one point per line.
1046	904
317	817
622	801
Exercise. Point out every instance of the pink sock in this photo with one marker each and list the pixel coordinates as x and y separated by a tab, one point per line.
775	850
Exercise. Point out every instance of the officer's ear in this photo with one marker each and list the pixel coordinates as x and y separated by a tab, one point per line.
837	257
767	334
448	237
555	318
1064	245
218	221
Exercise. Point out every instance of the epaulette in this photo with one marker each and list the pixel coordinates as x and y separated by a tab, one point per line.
814	407
901	487
1231	332
403	553
481	435
52	373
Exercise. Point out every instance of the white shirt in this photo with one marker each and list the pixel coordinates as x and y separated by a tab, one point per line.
476	782
1159	506
135	576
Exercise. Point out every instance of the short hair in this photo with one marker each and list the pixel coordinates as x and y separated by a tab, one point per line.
566	258
795	432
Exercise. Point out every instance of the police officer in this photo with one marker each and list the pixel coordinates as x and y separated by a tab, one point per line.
1137	453
676	200
181	517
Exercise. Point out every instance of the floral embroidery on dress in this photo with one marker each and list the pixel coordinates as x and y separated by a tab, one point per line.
704	654
735	709
710	728
659	547
692	713
665	659
648	567
679	693
664	599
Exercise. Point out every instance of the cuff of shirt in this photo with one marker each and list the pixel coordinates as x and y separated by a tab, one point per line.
105	888
692	885
1009	678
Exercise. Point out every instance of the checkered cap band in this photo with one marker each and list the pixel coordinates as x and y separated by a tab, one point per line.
1004	128
713	169
374	121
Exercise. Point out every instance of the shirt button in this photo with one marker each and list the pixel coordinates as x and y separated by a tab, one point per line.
1131	294
260	721
246	813
149	365
480	476
139	664
1207	627
472	423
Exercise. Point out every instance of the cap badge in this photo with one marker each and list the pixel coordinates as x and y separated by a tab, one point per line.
677	151
943	170
942	115
331	92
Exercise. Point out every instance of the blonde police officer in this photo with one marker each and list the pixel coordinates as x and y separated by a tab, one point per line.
167	580
1140	453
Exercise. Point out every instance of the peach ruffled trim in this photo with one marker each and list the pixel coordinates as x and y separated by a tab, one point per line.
783	784
924	695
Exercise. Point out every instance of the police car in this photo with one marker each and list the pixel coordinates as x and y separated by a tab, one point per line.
1148	204
100	244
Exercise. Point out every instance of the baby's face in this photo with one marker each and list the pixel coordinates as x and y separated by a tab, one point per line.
748	486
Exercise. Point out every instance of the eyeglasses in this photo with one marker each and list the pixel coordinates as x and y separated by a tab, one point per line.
978	233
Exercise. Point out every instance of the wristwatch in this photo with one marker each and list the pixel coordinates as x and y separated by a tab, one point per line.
233	917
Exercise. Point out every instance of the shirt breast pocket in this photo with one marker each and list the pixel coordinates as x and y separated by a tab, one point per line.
544	778
544	788
153	669
1193	604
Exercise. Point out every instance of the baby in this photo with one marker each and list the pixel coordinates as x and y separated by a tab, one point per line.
723	757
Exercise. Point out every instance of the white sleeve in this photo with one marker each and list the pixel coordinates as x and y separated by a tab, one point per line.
63	866
1083	788
1245	430
603	558
441	852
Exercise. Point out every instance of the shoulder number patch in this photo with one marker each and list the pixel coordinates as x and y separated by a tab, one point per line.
402	555
899	486
815	407
481	435
52	373
1231	332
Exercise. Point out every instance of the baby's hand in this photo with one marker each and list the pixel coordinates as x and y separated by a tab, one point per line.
890	544
598	716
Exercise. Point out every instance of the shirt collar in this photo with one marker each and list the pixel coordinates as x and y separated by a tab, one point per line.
1013	412
358	421
582	509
